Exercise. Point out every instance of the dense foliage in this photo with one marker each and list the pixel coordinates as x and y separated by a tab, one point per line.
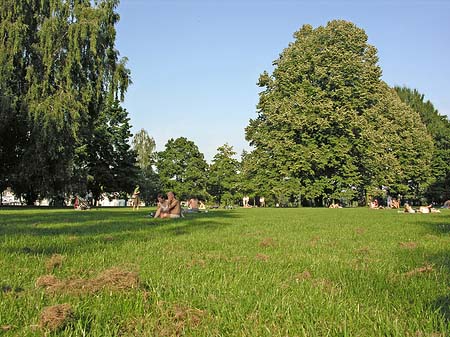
329	128
182	168
439	128
61	81
148	179
223	176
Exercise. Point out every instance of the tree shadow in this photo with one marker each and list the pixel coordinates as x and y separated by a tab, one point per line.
439	226
92	230
442	305
201	222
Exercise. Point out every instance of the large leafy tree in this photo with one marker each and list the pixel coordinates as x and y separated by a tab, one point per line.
223	175
149	181
144	146
59	75
110	160
439	128
182	168
259	176
397	149
318	126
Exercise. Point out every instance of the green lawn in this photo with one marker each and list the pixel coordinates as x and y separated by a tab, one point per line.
243	272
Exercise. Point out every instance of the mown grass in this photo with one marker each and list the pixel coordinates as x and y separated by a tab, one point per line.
243	272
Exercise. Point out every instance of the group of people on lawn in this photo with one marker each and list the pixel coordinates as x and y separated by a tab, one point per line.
391	203
171	207
395	203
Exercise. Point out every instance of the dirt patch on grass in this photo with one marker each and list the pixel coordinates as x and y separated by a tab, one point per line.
314	241
55	317
408	245
305	275
426	334
326	285
6	328
267	242
113	279
363	250
54	261
196	262
188	316
237	259
262	257
175	320
360	231
47	281
421	270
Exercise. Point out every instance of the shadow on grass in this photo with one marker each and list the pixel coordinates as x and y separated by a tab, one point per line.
91	230
200	222
442	305
440	227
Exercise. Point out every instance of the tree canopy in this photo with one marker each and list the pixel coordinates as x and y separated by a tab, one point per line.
182	168
223	175
148	179
329	128
438	127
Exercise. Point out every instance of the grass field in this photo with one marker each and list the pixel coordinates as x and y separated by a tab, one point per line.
243	272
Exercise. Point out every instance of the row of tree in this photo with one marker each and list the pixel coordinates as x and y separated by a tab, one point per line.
327	127
182	168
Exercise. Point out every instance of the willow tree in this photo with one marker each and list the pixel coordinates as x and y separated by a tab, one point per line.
60	74
318	131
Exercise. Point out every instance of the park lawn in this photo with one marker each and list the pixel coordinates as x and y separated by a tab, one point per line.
241	272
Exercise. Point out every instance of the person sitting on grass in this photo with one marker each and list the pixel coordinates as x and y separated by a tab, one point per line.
192	205
162	206
335	205
395	203
173	210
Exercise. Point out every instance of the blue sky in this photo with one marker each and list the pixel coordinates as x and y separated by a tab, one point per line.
195	63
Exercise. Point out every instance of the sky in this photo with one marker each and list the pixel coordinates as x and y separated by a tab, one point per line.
195	63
